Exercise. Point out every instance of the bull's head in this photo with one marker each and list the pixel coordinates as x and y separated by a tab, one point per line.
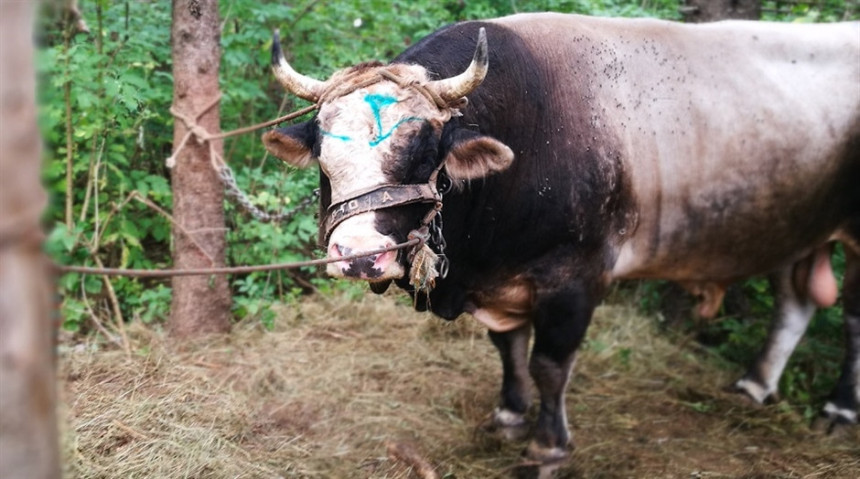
380	128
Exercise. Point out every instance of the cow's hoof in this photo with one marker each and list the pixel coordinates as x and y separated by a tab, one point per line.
507	425
835	421
753	391
834	427
533	470
547	456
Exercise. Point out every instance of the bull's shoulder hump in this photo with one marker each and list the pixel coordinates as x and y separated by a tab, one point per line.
544	23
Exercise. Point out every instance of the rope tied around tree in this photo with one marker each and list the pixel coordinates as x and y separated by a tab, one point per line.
223	170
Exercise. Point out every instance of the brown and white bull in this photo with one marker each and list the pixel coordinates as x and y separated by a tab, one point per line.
575	151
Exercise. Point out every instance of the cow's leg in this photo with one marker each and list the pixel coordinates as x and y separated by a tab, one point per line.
509	418
560	323
842	407
793	314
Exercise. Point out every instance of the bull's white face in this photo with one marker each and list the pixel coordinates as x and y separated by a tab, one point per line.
361	136
382	134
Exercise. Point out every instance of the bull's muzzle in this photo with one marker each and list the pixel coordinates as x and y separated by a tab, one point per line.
372	267
354	239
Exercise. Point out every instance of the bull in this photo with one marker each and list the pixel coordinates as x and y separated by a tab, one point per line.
577	151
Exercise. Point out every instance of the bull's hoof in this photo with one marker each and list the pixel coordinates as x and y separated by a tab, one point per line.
834	428
507	425
753	391
547	456
533	470
835	421
542	462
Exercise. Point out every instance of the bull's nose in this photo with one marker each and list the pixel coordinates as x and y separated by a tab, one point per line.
365	267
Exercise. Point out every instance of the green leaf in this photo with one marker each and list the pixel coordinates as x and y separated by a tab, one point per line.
85	99
93	284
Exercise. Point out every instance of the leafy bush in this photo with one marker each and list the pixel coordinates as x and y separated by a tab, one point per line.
811	11
104	100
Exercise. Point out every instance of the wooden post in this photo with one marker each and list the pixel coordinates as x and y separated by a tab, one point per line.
200	304
28	429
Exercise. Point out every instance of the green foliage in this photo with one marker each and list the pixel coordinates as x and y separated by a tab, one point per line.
811	11
119	89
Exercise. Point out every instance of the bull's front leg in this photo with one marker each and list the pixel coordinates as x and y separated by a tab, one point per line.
509	418
560	323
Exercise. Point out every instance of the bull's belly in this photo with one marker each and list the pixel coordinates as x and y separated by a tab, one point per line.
706	262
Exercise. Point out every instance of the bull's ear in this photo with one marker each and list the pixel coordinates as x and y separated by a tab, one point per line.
472	155
293	144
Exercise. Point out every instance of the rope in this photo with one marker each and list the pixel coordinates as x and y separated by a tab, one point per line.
427	92
223	170
163	273
258	126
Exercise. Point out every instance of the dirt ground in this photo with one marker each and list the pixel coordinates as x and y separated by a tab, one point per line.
338	382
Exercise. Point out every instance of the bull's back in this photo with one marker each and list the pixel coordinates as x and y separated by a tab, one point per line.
736	137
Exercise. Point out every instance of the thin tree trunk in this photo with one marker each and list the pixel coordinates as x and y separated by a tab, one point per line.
200	304
28	429
70	143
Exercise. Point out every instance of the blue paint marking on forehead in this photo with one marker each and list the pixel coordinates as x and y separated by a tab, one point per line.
337	137
376	102
380	138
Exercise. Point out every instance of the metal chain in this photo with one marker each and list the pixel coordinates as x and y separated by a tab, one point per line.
444	186
225	173
438	239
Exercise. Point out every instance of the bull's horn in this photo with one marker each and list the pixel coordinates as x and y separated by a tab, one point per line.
454	88
302	86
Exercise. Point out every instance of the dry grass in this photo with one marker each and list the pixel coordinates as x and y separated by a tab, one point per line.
337	381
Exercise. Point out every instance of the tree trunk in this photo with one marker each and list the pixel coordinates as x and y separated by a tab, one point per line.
201	304
28	428
698	11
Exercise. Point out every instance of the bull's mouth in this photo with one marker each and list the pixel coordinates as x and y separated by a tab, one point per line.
380	287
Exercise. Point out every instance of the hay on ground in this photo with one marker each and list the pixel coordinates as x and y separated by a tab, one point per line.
337	382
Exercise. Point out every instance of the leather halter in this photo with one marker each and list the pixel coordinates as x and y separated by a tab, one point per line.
385	196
